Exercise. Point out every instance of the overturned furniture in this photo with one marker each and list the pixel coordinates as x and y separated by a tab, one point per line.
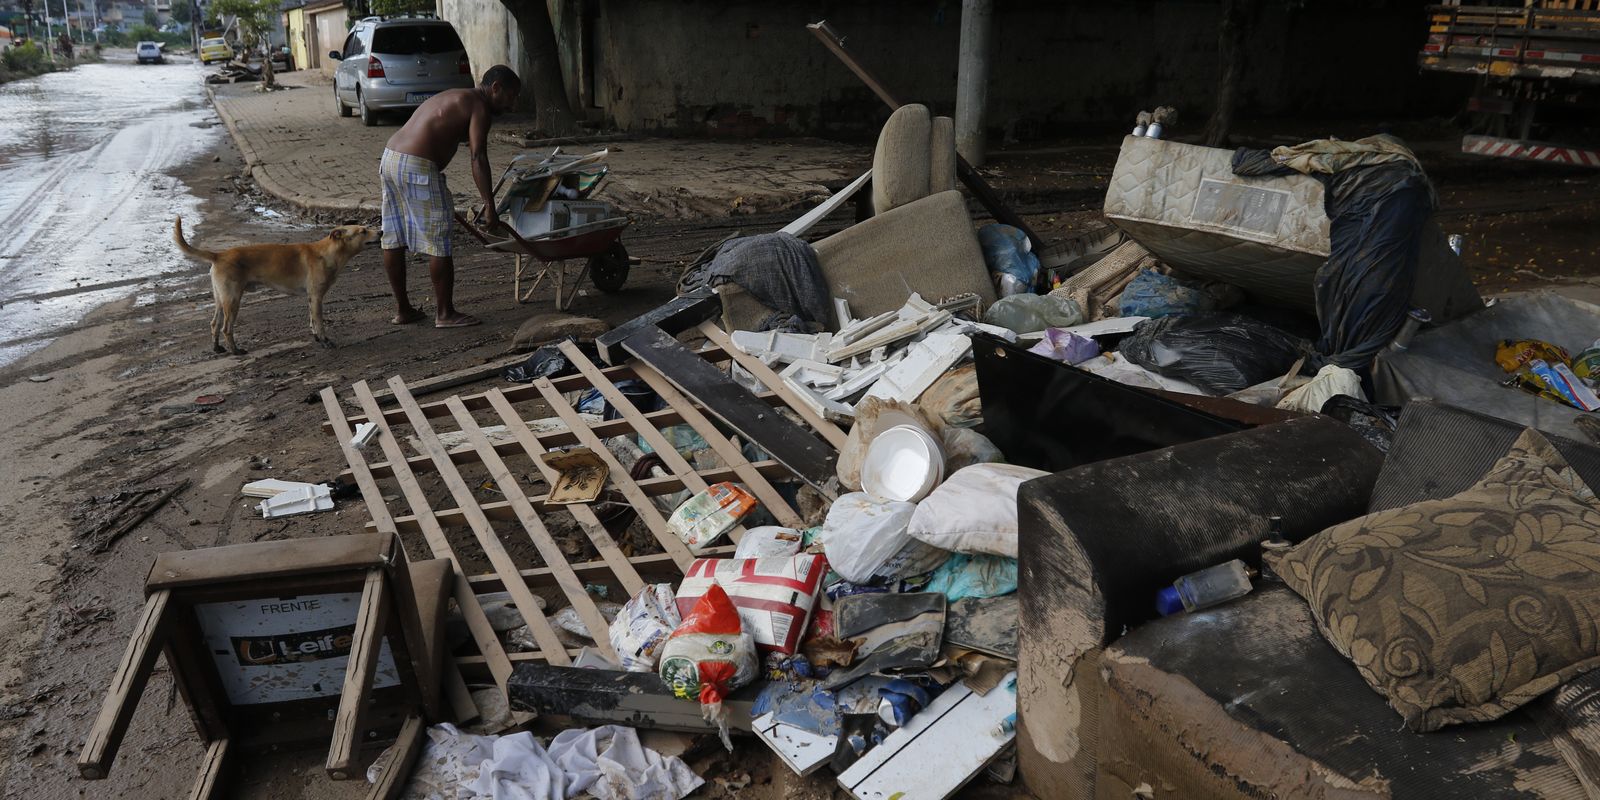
506	545
290	643
1284	714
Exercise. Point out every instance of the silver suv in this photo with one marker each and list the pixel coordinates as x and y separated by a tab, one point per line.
394	63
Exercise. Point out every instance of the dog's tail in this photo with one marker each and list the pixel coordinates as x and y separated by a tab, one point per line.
192	252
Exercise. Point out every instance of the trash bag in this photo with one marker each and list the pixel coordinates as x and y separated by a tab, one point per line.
952	399
708	656
547	362
1154	294
866	542
1065	346
964	447
1026	313
1219	353
643	627
983	575
1375	423
1006	251
1331	380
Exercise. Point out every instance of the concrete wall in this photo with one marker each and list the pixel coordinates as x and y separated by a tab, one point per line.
750	68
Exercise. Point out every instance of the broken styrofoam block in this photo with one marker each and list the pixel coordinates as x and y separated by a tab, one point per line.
785	347
923	364
365	433
841	312
827	409
857	380
967	326
813	373
857	329
302	498
269	487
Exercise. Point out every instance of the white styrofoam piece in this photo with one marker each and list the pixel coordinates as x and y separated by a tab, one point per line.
826	207
786	347
942	748
841	313
862	327
967	326
802	751
269	487
923	364
365	433
828	409
1104	326
857	381
813	373
302	499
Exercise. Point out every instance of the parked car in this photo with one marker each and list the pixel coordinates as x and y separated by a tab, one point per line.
215	50
148	53
395	63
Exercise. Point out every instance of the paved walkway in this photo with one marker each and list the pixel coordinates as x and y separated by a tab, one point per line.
302	152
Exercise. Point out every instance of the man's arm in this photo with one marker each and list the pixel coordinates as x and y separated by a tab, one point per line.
478	141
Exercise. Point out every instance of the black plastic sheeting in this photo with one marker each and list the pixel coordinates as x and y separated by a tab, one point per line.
1377	215
1218	353
1050	416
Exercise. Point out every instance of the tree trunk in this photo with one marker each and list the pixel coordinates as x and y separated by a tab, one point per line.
544	91
266	64
1238	21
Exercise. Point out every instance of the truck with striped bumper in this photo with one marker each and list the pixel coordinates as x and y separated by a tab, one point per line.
1537	58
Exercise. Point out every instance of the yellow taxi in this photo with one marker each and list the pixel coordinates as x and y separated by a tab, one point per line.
215	50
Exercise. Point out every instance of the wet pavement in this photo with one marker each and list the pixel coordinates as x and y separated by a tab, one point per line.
86	198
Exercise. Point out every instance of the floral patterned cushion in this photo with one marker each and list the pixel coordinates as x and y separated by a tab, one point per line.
1462	609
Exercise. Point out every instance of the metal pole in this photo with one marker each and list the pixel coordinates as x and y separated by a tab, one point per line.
49	34
972	82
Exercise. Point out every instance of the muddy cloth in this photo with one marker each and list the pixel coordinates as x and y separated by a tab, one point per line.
781	272
1378	201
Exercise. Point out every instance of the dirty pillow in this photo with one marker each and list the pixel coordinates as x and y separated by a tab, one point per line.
1465	608
974	511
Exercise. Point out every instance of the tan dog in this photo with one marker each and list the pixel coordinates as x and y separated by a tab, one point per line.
308	268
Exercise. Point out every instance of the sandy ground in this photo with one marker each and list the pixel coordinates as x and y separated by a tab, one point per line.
117	412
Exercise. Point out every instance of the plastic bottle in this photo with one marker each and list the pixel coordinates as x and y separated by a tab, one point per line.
1206	588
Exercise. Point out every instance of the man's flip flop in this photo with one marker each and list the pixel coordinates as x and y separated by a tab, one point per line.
464	322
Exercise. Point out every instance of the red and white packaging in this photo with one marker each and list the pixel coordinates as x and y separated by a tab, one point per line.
775	596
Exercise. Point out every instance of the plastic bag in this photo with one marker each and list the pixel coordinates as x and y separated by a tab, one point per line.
1557	382
1514	354
964	576
1065	346
1007	252
568	620
1331	380
1219	353
708	656
643	627
547	362
703	518
768	541
964	447
1026	313
952	399
866	542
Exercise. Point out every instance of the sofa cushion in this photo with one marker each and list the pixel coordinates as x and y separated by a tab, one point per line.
900	163
1463	608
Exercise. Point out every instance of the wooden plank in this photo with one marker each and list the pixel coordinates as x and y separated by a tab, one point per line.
450	380
582	513
675	316
641	502
213	772
487	537
366	645
398	760
652	487
788	443
774	381
606	429
571	585
809	219
422	517
942	748
654	565
725	450
516	394
122	699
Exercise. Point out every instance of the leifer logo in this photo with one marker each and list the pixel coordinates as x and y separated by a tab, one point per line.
292	648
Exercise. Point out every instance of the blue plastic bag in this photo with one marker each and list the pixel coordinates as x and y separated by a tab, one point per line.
982	575
1153	295
1006	252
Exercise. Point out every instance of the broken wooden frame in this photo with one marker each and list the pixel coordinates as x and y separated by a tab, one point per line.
249	695
516	462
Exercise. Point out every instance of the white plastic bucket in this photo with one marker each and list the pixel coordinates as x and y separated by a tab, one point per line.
904	463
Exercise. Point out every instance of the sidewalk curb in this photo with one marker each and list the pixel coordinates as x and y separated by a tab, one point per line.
258	172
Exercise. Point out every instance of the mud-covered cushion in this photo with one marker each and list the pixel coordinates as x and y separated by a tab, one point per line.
1464	608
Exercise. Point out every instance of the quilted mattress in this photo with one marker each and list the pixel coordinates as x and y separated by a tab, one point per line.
1184	204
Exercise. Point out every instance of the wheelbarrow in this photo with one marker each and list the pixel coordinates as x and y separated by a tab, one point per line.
599	244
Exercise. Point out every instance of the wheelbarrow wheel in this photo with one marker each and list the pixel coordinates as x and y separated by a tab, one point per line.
609	270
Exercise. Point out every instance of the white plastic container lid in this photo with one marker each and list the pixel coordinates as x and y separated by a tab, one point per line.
903	463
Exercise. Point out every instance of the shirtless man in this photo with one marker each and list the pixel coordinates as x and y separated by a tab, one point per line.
418	210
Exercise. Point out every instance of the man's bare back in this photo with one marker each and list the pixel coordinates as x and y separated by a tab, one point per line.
441	124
